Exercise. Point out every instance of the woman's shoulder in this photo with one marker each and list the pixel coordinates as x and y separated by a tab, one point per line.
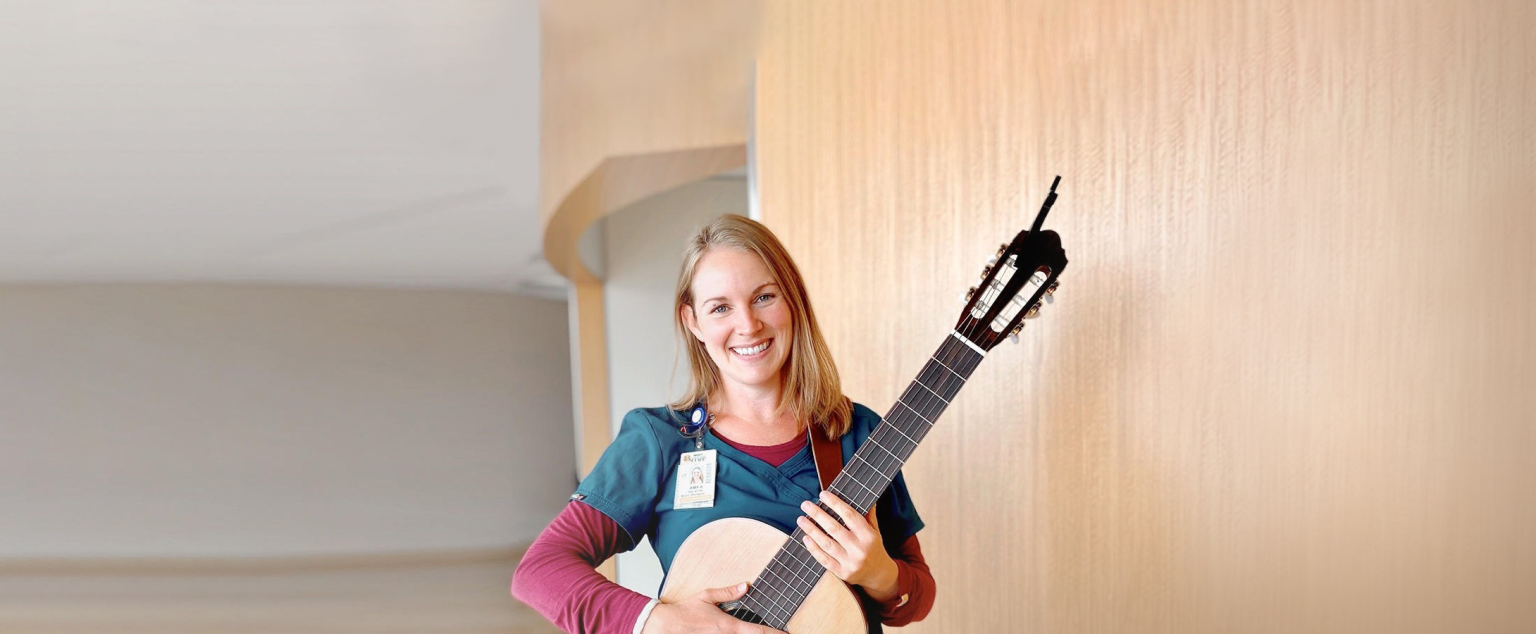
865	414
864	421
649	430
654	419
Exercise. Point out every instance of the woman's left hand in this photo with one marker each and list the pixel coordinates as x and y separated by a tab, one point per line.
854	554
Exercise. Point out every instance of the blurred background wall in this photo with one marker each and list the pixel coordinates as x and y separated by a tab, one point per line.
172	422
1286	384
279	347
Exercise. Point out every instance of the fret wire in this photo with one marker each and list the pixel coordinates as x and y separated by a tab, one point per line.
925	404
915	394
862	505
960	356
809	581
796	585
909	429
940	380
904	435
915	402
893	441
793	572
773	610
935	394
785	574
882	463
915	412
944	365
948	353
882	470
895	436
794	554
881	448
878	471
887	464
812	569
782	611
927	408
779	620
862	486
854	498
900	455
754	603
841	488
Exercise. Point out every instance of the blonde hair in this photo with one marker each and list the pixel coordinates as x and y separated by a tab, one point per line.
812	392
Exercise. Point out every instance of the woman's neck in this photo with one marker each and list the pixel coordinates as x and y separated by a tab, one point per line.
752	416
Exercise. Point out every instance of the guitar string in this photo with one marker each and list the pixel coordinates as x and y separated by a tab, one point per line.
810	566
858	474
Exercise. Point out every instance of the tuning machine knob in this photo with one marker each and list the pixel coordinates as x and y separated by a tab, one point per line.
968	293
1013	335
1033	312
1050	292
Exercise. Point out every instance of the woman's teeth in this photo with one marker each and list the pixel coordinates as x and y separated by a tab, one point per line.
757	349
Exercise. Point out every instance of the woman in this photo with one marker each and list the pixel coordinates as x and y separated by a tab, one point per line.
762	371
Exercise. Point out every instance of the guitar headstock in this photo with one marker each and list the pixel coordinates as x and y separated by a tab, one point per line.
1015	283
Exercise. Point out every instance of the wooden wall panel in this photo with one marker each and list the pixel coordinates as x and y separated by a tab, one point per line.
1288	383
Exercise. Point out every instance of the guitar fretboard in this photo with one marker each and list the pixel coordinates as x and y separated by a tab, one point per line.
790	576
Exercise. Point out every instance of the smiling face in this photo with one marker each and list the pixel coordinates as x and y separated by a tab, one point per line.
741	317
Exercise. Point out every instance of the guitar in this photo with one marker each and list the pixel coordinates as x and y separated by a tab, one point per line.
791	591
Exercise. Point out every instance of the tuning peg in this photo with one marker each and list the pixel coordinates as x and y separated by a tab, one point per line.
1051	290
991	260
985	271
1000	249
966	296
1033	312
1013	336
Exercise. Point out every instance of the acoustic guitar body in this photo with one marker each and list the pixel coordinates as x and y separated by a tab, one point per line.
729	551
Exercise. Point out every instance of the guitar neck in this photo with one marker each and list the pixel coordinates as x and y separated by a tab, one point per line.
792	573
874	465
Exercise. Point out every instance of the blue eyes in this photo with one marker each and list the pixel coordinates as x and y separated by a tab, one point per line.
760	299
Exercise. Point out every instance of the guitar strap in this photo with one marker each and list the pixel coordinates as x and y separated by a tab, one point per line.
828	454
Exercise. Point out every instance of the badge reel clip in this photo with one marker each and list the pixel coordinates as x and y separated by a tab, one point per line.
698	421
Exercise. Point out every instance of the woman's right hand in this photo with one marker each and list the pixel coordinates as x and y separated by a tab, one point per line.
699	613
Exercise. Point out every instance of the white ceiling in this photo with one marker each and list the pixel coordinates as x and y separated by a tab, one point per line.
348	142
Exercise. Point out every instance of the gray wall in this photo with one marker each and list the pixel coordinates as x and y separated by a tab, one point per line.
642	252
233	421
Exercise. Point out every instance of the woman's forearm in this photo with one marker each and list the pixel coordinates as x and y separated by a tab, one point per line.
556	577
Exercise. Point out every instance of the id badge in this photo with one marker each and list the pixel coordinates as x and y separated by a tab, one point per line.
695	481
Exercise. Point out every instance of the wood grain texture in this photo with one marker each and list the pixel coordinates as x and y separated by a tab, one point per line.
1287	383
726	552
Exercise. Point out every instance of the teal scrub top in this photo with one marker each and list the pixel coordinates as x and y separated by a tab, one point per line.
635	478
